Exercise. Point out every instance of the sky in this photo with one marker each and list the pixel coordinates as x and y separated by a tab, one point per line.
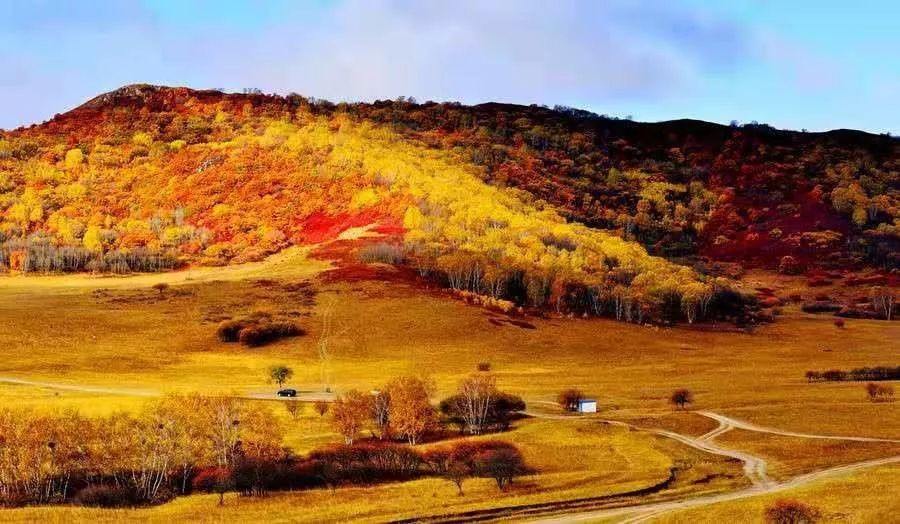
798	64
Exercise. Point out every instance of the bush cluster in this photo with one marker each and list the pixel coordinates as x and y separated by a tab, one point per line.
257	330
365	464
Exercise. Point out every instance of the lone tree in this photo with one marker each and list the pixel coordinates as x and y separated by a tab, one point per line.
682	397
293	407
569	399
791	512
280	374
321	407
502	464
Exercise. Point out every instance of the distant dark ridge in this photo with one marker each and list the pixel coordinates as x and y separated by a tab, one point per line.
157	97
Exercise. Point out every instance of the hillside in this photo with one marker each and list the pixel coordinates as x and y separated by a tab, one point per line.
541	207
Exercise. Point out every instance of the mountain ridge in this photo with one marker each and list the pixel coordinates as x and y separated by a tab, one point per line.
141	92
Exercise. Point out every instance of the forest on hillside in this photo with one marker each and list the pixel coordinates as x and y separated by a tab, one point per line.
541	207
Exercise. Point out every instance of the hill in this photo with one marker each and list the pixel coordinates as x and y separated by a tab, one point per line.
541	207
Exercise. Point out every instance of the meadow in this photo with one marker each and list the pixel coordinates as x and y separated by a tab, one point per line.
101	344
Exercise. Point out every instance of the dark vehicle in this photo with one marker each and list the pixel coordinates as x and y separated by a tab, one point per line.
287	392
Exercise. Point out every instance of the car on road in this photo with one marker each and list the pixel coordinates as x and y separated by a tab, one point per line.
287	392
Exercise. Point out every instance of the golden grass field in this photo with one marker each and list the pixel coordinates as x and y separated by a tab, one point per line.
125	342
869	496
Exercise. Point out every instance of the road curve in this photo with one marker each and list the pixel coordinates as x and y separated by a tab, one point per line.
755	468
644	512
733	423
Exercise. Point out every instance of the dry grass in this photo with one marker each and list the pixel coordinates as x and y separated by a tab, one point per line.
792	456
868	496
61	329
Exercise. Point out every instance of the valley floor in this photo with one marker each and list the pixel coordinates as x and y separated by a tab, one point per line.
107	344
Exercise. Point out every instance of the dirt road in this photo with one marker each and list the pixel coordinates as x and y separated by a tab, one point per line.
644	512
303	396
754	467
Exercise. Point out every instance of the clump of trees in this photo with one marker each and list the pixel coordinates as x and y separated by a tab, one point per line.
494	459
478	406
37	254
873	374
123	459
402	409
257	329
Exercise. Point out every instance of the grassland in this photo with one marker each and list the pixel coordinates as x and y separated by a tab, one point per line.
868	496
124	341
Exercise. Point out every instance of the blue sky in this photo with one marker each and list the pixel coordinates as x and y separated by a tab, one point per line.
793	63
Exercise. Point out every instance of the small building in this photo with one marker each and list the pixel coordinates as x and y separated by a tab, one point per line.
586	405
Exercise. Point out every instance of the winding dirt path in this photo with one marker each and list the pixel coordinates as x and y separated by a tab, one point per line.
754	467
644	512
731	423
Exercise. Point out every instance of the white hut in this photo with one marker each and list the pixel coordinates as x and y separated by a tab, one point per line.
586	405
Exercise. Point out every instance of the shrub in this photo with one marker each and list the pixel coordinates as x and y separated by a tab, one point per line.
839	323
102	496
214	480
252	332
880	393
789	265
821	306
368	463
791	512
228	330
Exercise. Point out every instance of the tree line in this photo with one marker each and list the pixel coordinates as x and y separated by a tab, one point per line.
184	443
402	410
877	373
